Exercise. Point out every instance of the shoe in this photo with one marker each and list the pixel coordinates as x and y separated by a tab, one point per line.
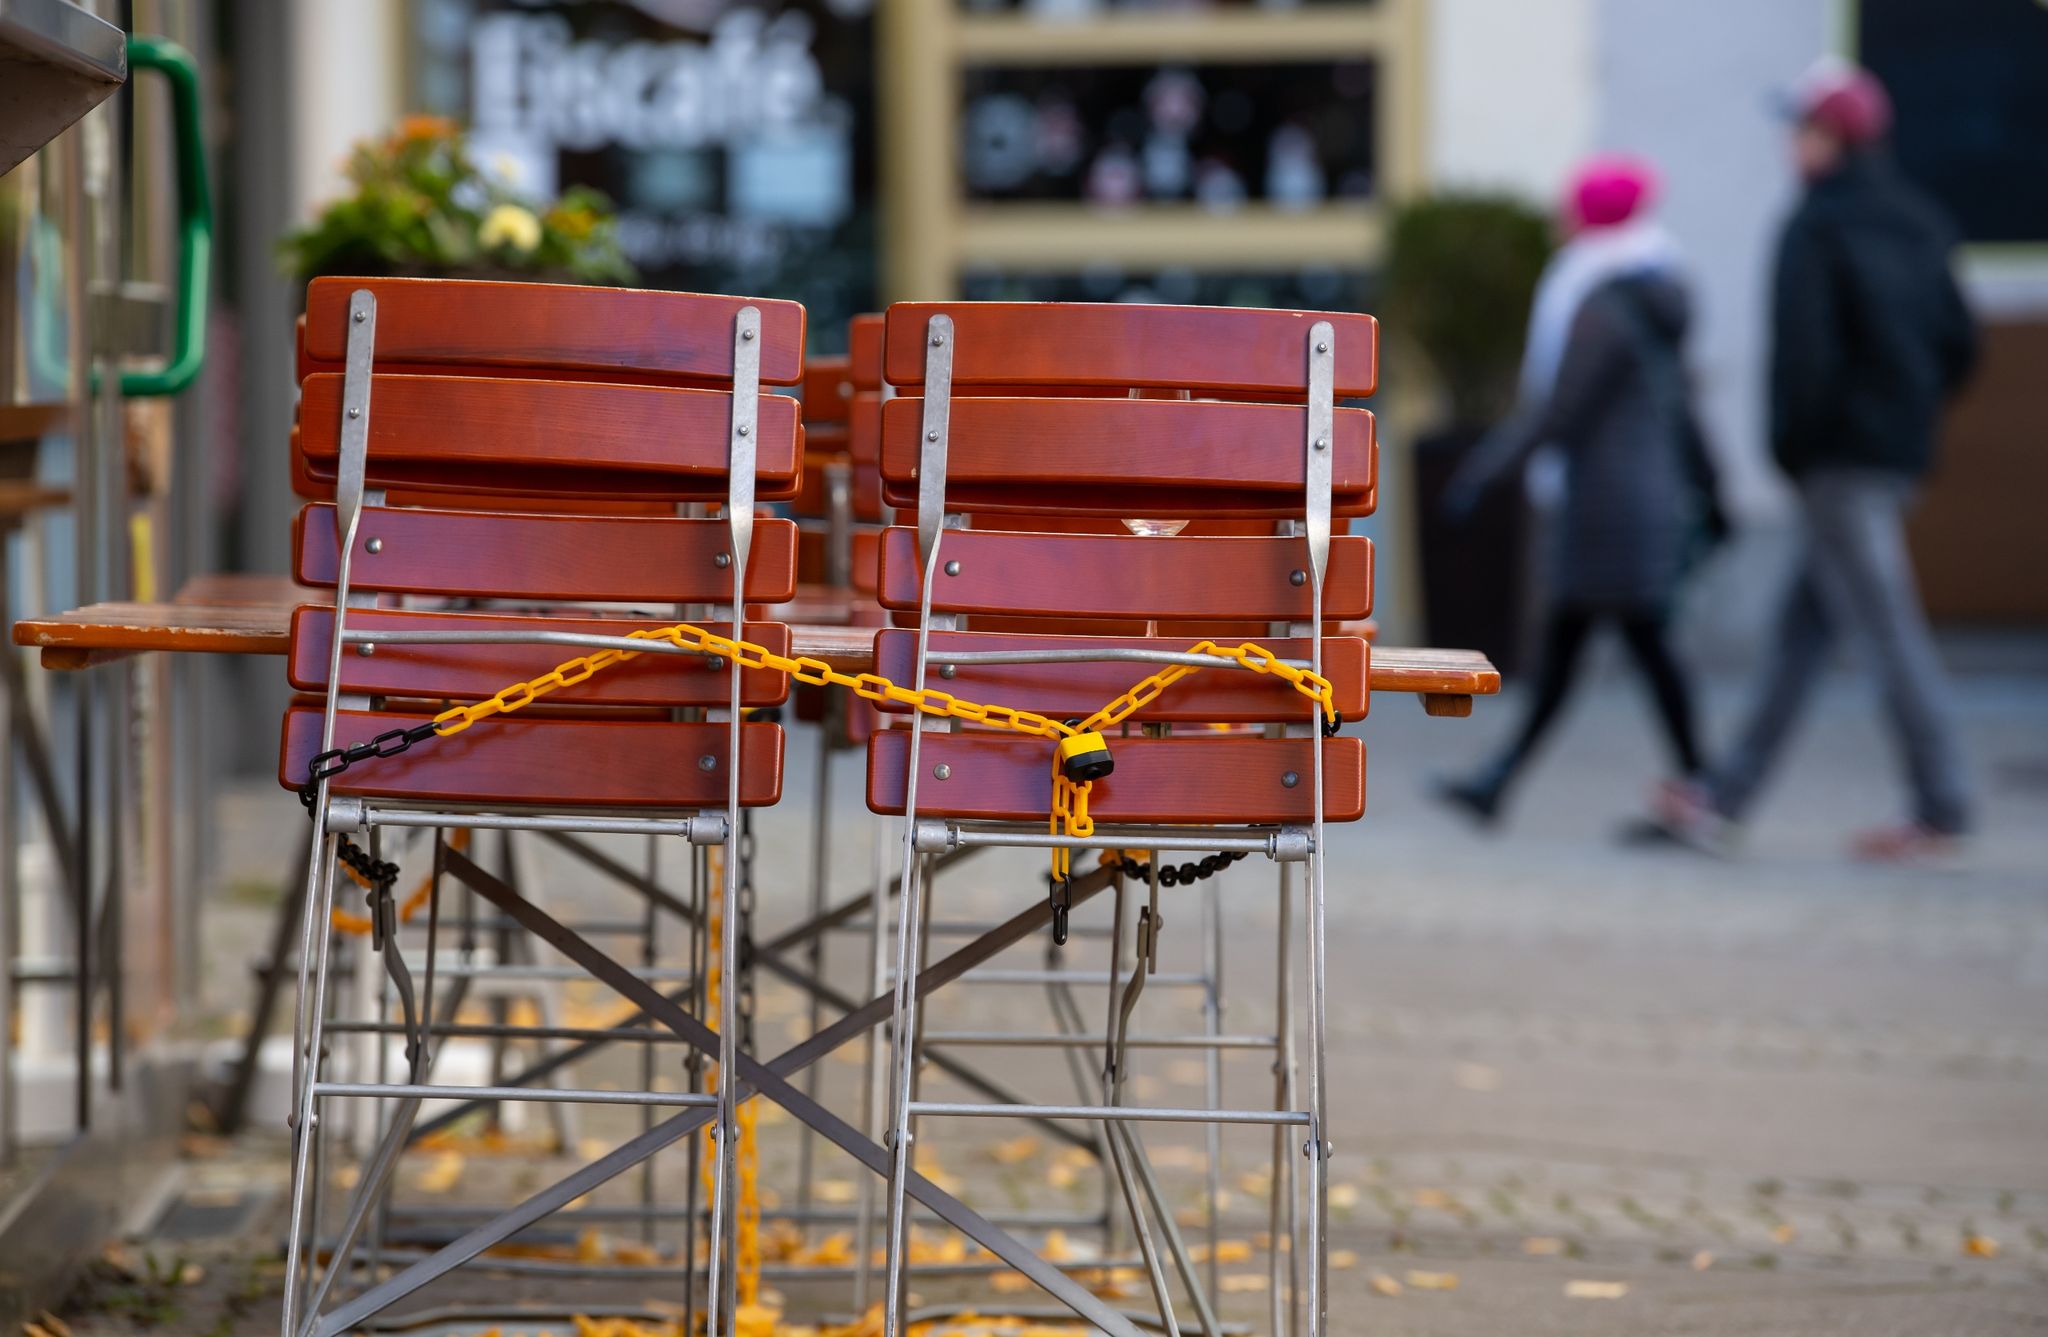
1906	843
1478	799
1681	813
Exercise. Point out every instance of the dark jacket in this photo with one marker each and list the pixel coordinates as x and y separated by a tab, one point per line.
1621	415
1870	335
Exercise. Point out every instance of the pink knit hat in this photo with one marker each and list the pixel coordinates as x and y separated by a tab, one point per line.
1609	189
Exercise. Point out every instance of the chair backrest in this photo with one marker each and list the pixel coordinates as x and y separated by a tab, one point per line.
1040	420
521	458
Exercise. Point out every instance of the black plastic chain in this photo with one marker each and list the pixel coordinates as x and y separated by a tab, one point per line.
745	1000
1182	875
381	874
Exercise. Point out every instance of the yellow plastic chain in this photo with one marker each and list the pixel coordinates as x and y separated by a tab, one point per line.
1069	799
747	1203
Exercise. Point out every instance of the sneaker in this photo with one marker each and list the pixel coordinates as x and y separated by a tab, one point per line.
1905	843
1477	799
1682	814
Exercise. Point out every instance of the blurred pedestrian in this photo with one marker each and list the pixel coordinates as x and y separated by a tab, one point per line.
1604	384
1870	338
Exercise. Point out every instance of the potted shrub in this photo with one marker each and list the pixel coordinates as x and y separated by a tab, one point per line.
422	207
1460	273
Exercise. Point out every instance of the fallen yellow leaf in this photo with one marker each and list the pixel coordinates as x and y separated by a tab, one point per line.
1382	1284
1980	1246
1343	1259
1430	1197
441	1174
1344	1197
835	1190
1433	1281
1702	1260
1240	1283
1595	1290
1542	1246
1015	1151
1783	1232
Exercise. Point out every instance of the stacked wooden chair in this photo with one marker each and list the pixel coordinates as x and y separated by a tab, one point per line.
523	476
1029	410
531	411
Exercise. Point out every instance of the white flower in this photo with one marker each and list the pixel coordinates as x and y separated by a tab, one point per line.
509	225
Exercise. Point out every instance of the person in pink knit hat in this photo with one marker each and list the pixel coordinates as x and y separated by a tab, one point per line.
1605	414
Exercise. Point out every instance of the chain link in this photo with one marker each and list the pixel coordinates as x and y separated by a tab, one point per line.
1069	815
1175	875
1069	808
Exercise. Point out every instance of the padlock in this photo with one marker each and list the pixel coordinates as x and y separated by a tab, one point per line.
1084	757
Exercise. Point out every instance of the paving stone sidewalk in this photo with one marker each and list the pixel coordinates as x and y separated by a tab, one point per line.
1578	1087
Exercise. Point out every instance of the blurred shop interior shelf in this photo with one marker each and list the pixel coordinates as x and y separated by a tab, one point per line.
1329	32
1059	236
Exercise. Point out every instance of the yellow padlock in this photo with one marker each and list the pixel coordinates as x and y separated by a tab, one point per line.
1084	757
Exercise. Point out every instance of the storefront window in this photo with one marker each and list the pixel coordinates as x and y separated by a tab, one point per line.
736	141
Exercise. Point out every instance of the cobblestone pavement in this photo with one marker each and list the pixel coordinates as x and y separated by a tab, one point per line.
1577	1087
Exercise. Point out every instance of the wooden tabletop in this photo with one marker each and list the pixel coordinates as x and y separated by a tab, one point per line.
251	615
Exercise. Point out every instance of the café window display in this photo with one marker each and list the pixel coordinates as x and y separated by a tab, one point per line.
1309	288
735	140
1218	135
1243	142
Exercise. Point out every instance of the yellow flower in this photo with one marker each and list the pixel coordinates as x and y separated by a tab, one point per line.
509	225
411	128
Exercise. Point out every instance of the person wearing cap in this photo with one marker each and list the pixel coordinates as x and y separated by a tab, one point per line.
1604	389
1870	339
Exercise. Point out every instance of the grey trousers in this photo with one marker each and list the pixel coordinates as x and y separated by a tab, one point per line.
1853	577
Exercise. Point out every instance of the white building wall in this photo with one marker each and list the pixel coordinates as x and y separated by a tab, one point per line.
347	62
1512	95
1521	89
1691	87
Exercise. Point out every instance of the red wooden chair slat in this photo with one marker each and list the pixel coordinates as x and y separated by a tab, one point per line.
813	498
1219	695
307	487
828	385
1105	576
1163	502
1199	445
486	555
1128	345
556	763
864	351
485	435
481	325
471	672
826	438
1180	781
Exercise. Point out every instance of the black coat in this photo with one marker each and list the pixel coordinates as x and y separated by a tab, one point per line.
1621	415
1870	335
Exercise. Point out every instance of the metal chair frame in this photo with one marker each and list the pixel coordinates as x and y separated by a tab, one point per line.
305	1287
924	837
